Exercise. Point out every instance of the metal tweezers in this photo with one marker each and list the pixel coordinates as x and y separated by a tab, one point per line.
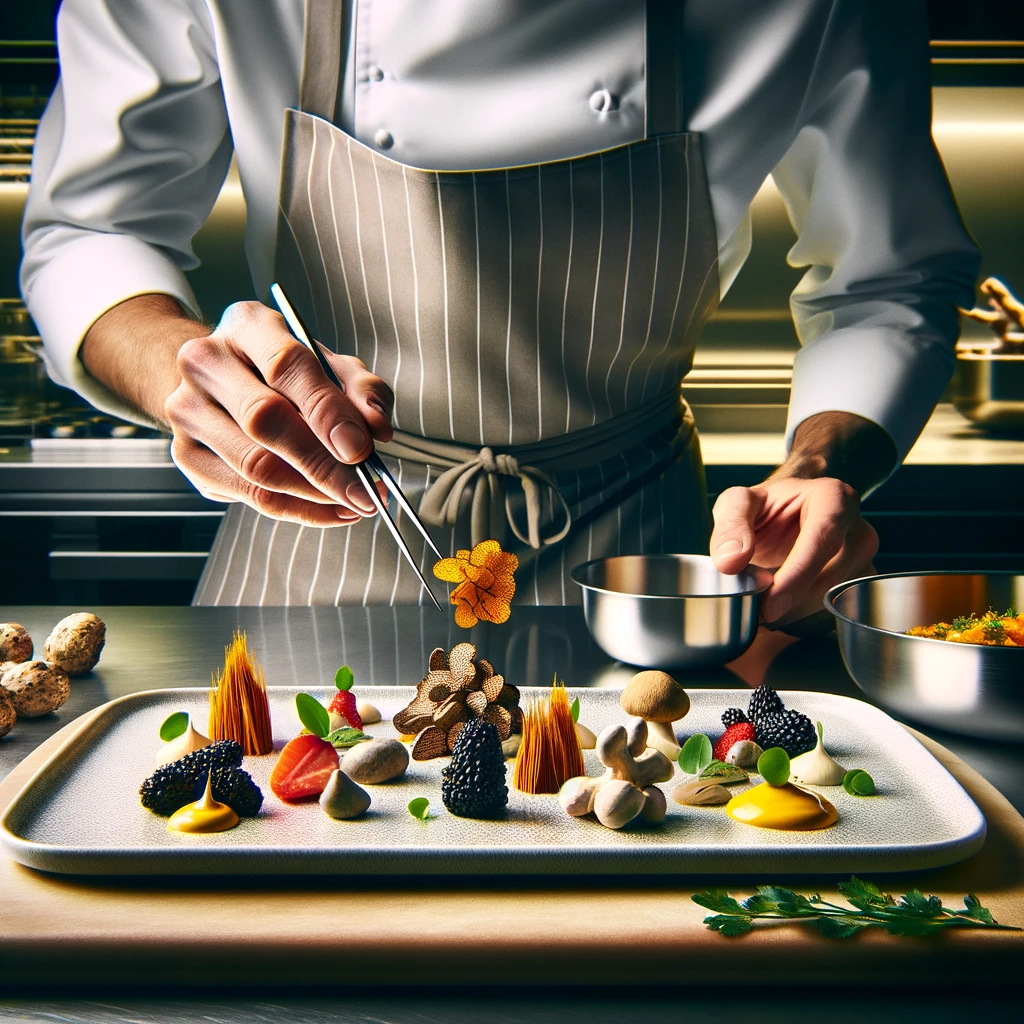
374	461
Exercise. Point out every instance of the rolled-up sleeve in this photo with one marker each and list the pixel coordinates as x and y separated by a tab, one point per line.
129	158
888	258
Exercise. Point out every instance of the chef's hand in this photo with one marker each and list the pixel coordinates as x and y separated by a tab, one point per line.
253	416
804	521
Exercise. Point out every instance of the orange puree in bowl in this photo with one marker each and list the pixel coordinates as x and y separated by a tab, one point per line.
784	807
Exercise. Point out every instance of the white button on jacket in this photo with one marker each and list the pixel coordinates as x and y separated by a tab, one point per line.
832	96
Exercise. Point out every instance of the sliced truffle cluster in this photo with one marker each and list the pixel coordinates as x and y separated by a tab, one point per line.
773	725
182	782
457	689
473	783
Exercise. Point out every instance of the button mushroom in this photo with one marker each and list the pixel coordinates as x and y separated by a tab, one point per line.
8	716
35	688
75	643
15	643
658	699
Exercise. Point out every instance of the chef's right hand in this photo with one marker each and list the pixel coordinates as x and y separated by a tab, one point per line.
255	419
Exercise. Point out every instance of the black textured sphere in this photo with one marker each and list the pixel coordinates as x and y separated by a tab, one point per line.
764	701
473	783
182	782
792	731
733	715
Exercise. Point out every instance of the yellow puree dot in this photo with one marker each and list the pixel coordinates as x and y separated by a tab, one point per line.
783	807
206	815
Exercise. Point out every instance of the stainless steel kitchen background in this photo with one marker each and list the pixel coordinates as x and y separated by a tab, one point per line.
93	510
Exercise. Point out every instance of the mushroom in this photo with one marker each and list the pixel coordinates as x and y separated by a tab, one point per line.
15	643
35	687
626	790
659	700
75	643
8	716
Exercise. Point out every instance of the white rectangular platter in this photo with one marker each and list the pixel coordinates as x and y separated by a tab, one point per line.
80	813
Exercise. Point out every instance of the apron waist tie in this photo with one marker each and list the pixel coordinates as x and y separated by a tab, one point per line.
532	464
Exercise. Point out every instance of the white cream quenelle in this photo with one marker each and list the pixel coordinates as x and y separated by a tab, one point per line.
816	767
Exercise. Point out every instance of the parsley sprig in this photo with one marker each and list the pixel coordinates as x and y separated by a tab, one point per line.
913	914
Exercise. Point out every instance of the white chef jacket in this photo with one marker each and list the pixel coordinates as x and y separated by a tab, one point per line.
830	96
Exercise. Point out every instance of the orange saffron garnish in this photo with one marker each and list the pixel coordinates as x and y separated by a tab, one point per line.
486	583
238	701
549	754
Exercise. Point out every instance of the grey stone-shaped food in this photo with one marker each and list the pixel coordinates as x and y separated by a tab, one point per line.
15	643
75	643
8	716
376	761
35	688
342	798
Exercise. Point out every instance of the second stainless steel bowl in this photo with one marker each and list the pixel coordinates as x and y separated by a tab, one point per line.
962	687
670	611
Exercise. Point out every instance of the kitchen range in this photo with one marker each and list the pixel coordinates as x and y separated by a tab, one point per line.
249	768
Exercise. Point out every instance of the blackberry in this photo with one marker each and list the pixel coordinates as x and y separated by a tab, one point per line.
731	716
473	783
764	701
792	731
182	782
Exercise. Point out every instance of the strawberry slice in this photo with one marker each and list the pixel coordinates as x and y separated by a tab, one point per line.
304	768
344	704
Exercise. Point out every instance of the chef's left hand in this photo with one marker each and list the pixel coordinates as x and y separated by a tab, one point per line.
804	521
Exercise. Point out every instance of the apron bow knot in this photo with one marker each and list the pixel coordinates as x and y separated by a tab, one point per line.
491	506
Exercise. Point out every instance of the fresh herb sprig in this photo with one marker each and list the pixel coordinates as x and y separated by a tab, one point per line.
913	914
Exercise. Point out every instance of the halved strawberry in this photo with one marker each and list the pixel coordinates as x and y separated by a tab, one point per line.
304	768
736	732
344	704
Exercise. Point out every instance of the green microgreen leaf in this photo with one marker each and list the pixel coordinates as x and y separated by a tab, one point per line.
974	910
717	769
857	782
174	725
574	709
821	733
839	927
346	737
343	678
773	766
313	714
420	808
718	900
695	755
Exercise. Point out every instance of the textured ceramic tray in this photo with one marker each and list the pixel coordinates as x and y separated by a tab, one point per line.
80	813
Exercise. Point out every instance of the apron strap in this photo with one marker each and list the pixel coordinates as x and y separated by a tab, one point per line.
323	56
664	110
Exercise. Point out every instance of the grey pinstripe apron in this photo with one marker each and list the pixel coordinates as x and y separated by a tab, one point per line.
536	316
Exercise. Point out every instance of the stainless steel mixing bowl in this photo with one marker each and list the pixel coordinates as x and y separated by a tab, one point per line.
961	687
988	389
670	611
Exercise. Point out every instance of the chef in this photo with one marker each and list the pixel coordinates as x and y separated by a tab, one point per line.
508	221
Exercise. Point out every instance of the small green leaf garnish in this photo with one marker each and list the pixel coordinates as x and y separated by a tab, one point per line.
420	808
346	737
343	678
719	768
313	714
821	733
857	782
773	766
174	725
574	709
913	914
696	754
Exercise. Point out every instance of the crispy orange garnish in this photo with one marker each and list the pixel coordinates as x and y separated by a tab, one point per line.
486	584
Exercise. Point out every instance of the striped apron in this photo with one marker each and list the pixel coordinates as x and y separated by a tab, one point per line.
535	324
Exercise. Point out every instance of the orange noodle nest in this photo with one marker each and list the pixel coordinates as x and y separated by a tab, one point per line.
238	701
549	754
486	584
